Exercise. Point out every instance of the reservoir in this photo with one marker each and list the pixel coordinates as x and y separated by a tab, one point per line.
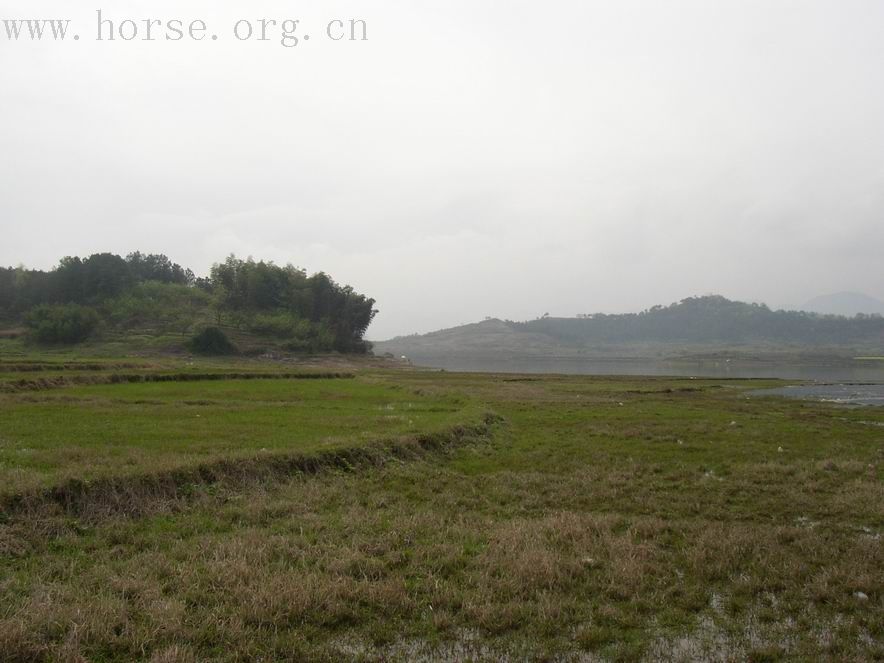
844	371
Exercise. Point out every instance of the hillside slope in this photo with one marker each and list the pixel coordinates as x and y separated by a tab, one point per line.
698	325
487	338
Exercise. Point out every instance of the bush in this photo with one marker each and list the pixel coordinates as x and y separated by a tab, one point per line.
311	337
161	305
61	323
280	325
212	341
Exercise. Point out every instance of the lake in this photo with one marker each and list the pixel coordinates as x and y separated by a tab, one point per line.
844	394
833	371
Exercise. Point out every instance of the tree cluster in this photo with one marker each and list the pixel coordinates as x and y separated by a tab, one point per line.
307	313
90	280
287	303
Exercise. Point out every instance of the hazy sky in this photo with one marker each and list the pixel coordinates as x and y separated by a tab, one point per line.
472	157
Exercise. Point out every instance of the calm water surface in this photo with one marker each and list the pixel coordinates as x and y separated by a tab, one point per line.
844	394
846	372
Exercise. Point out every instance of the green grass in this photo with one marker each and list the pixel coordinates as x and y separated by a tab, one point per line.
615	518
105	431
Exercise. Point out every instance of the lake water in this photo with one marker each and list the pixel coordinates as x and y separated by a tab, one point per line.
844	394
847	371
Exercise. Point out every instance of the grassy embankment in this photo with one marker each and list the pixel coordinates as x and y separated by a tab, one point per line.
603	517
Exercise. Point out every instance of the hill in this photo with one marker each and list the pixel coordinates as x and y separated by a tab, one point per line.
109	297
696	324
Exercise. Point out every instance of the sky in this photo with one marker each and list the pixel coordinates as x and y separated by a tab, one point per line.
471	158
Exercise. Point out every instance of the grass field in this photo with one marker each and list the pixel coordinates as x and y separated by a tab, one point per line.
107	430
594	519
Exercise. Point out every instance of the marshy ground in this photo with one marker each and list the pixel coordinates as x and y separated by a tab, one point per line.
587	518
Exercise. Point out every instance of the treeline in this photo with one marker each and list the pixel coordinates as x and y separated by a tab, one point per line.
90	280
710	319
82	295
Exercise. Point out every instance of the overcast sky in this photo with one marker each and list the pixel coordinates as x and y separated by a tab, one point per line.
473	158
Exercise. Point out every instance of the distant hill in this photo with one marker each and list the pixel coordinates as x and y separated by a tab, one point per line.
693	325
845	303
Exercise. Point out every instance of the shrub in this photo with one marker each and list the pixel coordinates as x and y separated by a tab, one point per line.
61	323
311	337
163	305
212	341
280	324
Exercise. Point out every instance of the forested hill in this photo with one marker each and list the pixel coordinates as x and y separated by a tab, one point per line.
691	323
106	294
708	319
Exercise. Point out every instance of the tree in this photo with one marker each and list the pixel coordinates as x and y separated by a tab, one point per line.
157	267
62	323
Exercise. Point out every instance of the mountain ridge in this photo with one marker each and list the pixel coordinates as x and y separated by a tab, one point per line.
697	324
